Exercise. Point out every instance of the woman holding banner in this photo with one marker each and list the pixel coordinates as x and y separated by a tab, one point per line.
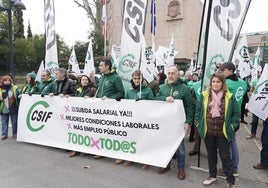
85	89
217	117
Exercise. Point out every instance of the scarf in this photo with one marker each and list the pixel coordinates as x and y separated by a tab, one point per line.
215	103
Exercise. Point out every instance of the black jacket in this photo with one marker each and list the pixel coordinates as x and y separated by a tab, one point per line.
66	87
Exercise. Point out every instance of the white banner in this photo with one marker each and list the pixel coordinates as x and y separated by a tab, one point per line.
133	23
226	18
258	103
51	58
146	132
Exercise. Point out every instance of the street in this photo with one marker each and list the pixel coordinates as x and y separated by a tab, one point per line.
29	166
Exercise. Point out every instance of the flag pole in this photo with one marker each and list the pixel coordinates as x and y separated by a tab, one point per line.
105	37
104	20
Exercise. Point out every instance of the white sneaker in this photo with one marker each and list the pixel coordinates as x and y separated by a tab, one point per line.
235	173
209	181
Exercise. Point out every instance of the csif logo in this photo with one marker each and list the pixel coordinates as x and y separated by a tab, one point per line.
127	63
239	94
36	116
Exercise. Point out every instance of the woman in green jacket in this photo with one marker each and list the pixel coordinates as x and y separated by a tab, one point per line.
30	85
217	117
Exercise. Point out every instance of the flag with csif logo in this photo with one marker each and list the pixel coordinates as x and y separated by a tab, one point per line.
258	103
131	39
219	35
51	57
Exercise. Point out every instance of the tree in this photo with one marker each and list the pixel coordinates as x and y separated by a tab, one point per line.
97	43
94	11
3	38
19	29
29	31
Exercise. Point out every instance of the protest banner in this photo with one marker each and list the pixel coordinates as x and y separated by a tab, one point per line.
147	132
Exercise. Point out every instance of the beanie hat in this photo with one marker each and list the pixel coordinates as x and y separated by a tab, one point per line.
32	75
229	66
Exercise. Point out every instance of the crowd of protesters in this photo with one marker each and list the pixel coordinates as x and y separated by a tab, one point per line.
213	115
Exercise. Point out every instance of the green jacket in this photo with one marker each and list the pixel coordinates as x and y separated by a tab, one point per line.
85	91
178	90
14	107
111	86
27	89
231	116
45	87
146	93
238	88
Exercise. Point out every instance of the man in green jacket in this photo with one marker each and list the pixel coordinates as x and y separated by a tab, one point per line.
174	89
110	84
238	88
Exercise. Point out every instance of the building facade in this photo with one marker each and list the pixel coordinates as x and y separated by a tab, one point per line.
255	40
180	18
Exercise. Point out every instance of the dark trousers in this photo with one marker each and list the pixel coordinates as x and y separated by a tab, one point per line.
264	141
219	143
196	140
254	124
243	106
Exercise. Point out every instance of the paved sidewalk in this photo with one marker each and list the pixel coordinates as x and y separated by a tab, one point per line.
29	166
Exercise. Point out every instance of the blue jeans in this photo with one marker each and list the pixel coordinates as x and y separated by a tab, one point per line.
255	121
264	141
181	156
180	153
234	154
5	119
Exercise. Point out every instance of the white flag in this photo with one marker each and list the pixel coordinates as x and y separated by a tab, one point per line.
73	61
115	55
258	103
242	58
192	65
171	54
39	73
147	66
51	58
161	56
130	54
256	65
89	61
104	18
